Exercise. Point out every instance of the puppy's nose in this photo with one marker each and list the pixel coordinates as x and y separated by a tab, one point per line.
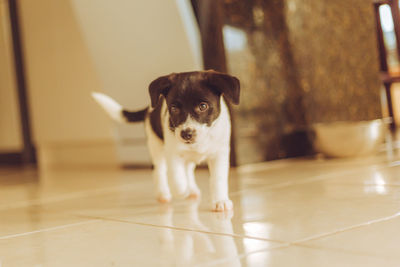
188	134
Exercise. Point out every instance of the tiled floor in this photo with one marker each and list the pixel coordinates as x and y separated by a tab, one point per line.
302	212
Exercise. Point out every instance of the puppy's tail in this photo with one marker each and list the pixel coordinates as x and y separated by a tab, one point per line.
116	111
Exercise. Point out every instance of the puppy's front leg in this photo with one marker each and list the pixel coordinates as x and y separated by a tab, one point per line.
177	175
161	180
219	172
193	189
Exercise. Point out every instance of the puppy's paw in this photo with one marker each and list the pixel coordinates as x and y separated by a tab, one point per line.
164	198
194	194
222	205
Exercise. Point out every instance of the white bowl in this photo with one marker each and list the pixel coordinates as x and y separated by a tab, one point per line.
349	139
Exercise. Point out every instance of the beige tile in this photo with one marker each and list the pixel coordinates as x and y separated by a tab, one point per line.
287	213
380	238
294	204
26	187
105	243
20	188
290	171
373	180
20	221
312	257
56	197
283	214
48	212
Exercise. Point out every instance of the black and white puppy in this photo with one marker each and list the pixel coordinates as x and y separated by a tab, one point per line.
188	122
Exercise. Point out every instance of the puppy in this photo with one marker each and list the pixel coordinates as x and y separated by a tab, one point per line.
188	122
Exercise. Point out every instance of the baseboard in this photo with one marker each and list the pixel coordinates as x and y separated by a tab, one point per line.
77	154
14	158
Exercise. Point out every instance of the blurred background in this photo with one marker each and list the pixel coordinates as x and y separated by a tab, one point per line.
300	62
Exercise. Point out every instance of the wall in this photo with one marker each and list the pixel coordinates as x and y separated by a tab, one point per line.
75	47
60	77
131	43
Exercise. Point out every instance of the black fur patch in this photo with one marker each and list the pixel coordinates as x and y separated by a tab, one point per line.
186	92
186	96
134	116
155	121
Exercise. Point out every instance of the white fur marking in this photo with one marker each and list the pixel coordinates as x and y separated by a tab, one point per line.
113	109
174	160
212	143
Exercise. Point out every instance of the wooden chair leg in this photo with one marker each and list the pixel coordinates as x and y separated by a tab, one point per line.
388	92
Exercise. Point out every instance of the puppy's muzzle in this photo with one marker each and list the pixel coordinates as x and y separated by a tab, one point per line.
188	135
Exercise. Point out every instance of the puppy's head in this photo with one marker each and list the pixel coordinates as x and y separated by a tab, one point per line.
193	100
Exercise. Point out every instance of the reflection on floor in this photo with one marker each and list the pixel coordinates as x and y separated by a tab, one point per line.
302	212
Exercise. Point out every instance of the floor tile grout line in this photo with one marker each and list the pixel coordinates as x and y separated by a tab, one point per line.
334	249
265	166
288	243
181	228
67	196
285	184
108	190
272	165
320	177
300	243
295	243
282	244
64	226
367	184
243	255
345	229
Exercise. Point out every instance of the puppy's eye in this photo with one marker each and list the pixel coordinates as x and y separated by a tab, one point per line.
175	109
203	106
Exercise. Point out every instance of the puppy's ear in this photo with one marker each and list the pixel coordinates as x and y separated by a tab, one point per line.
158	87
226	84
